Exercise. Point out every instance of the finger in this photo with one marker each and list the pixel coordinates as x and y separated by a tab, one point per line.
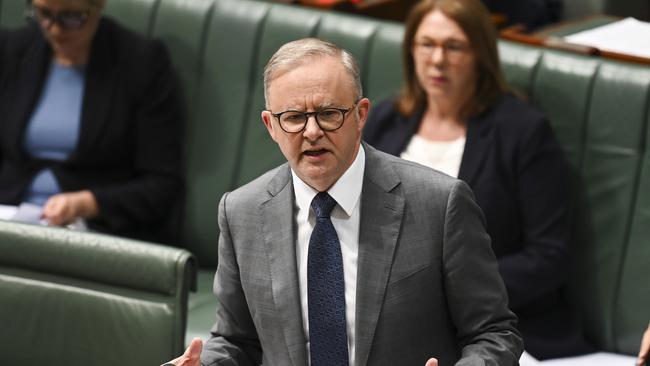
192	355
643	355
193	352
645	347
432	362
52	211
58	210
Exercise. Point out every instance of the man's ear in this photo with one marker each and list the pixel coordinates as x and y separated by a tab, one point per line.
267	118
363	107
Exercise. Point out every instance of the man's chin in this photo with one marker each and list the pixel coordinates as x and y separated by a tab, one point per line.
317	177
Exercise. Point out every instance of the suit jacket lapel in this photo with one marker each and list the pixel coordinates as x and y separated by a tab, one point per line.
98	95
381	219
280	239
28	85
476	147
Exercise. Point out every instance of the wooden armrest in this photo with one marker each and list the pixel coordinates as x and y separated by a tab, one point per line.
514	33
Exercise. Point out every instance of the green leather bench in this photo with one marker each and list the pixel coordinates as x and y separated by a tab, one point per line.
599	109
71	298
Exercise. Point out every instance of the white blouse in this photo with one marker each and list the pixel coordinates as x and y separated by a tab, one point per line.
444	156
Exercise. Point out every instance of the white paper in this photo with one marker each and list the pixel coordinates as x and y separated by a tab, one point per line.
527	360
629	36
7	212
29	213
592	359
32	214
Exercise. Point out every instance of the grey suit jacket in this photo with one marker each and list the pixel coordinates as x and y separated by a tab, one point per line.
427	280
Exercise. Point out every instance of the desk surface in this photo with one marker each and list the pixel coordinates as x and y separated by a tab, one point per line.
551	37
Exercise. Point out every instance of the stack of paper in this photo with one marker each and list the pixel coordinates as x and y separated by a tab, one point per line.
628	36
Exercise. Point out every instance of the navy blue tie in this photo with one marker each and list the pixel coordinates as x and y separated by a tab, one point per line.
328	338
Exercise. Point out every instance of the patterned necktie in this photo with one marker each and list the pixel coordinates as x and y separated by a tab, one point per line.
328	339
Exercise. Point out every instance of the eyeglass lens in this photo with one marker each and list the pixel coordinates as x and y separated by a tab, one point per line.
68	20
327	119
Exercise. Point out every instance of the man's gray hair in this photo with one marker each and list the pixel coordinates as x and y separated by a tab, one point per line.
298	52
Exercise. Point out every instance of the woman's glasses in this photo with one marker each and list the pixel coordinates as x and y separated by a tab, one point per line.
67	20
453	50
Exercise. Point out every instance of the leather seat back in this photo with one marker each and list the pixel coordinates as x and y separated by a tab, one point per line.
599	111
138	15
71	297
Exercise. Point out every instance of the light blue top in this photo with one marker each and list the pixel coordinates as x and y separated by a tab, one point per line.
53	129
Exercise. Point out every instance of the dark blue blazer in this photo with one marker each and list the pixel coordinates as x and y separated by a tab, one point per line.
129	149
517	171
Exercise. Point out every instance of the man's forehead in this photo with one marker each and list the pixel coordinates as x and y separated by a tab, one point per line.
318	85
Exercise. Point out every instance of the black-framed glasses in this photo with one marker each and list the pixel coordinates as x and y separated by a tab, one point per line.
328	119
67	20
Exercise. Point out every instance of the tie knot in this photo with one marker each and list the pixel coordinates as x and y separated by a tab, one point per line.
323	204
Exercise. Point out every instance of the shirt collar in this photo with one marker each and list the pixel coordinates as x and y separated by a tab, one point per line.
346	190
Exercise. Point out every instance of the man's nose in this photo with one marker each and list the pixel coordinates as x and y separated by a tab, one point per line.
312	129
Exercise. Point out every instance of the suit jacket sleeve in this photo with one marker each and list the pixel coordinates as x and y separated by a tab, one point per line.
156	116
476	296
234	339
541	265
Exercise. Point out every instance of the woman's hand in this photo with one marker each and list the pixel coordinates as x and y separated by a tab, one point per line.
64	208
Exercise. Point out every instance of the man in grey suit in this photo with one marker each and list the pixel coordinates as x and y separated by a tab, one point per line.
410	278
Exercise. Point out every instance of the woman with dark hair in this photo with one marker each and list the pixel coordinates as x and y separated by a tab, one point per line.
455	114
90	121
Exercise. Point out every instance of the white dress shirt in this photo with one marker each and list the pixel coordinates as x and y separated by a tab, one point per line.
345	218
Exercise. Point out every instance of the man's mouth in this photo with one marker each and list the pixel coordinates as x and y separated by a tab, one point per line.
315	152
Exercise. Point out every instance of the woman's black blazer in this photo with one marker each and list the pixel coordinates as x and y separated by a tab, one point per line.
129	148
517	171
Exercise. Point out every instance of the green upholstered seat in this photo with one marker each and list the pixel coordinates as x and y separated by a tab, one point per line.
599	111
562	89
519	63
137	15
382	69
79	298
219	114
614	147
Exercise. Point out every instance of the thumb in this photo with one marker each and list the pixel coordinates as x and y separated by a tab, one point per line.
194	350
191	357
432	362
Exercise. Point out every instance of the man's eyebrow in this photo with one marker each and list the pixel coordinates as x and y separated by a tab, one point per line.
329	105
321	106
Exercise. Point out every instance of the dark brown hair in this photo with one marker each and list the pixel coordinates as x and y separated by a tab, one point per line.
474	19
